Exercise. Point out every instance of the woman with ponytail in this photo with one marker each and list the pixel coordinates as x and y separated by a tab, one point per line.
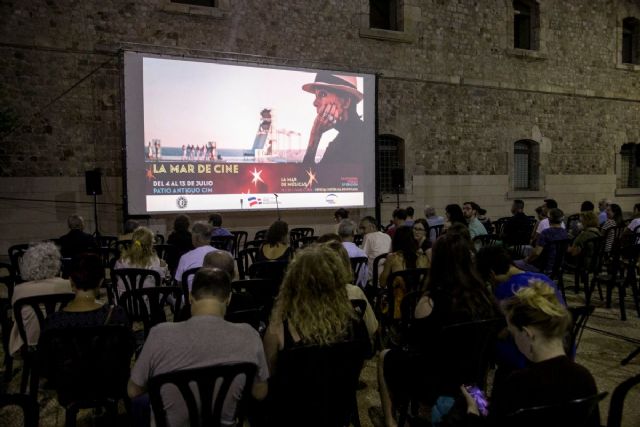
141	255
538	323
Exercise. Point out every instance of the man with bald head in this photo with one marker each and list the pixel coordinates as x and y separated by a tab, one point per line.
222	260
201	238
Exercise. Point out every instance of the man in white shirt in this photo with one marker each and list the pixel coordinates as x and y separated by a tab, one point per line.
346	231
201	238
432	220
375	242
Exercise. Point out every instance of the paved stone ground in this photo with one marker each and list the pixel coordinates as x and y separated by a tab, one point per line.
606	341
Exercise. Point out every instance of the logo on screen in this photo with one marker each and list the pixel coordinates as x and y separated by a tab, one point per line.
181	202
331	199
253	201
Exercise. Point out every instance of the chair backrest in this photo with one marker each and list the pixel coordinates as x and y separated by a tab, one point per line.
107	241
487	240
163	250
357	264
158	239
591	257
240	241
316	385
414	280
42	306
122	245
435	231
207	380
147	304
27	404
358	239
580	315
254	243
187	276
612	237
7	278
245	258
260	235
263	292
499	225
616	405
305	241
575	413
272	270
375	274
87	363
224	243
304	231
15	255
132	278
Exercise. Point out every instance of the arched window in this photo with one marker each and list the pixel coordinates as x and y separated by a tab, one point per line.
630	166
526	27
526	165
630	41
390	161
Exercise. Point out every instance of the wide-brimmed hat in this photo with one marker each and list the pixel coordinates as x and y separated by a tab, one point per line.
326	80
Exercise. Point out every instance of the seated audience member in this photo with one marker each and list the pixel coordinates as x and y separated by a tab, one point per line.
538	323
634	224
603	204
206	339
276	247
541	214
374	243
85	310
543	255
141	254
76	240
516	230
355	292
454	294
614	219
410	212
340	215
313	305
200	237
590	230
217	230
420	228
495	267
40	267
404	256
180	240
347	231
398	219
432	220
222	260
129	227
575	226
454	216
470	211
484	219
544	223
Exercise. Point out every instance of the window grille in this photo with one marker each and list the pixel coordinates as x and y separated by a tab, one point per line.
390	157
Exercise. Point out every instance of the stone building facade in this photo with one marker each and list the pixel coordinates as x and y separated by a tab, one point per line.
451	86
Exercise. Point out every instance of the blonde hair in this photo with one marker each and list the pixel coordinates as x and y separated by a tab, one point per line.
141	252
588	219
537	305
313	296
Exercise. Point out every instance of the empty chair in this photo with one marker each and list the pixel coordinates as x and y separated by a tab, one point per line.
262	291
240	241
357	265
204	406
224	243
616	406
271	270
87	366
245	258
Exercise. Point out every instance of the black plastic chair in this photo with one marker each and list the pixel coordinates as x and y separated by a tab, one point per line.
224	243
575	413
580	316
317	384
42	306
88	366
555	269
148	304
163	250
240	241
357	264
158	239
617	277
358	239
187	276
131	278
27	404
245	258
15	254
377	269
499	224
307	241
6	322
414	280
271	270
107	241
123	245
588	266
209	411
263	292
616	405
486	240
260	235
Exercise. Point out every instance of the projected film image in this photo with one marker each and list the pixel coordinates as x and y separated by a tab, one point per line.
235	137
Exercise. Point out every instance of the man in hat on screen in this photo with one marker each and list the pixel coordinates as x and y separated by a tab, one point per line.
336	99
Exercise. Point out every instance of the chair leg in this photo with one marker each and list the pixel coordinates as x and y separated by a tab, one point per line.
630	357
634	291
609	292
70	416
621	297
26	368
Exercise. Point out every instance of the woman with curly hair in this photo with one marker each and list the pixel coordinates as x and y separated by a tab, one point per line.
454	293
141	255
276	247
40	267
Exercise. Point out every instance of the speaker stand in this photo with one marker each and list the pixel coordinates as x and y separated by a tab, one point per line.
95	215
